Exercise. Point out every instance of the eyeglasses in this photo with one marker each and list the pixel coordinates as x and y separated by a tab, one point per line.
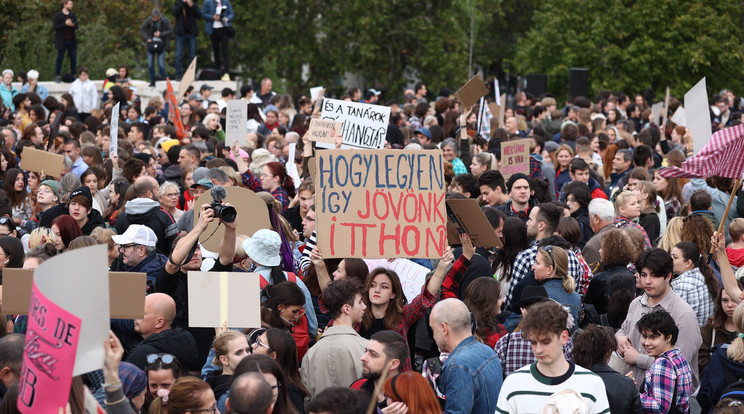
5	220
259	342
171	195
165	358
275	389
124	246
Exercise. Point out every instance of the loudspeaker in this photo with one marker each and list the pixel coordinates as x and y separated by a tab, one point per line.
578	84
537	84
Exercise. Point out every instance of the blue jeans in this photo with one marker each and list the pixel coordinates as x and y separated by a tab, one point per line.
184	41
71	47
151	65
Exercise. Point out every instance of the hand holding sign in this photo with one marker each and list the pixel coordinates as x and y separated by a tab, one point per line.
468	250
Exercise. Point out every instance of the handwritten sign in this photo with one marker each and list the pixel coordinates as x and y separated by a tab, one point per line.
48	356
114	131
322	130
380	204
412	275
365	125
219	297
236	122
515	157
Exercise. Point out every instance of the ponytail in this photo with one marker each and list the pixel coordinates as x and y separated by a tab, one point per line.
735	351
289	187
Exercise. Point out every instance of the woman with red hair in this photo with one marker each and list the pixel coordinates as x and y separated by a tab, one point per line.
412	390
275	180
66	229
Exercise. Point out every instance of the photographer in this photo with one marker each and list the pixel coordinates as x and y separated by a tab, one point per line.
156	32
187	255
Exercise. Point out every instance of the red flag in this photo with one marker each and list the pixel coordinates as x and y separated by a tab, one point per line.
171	97
722	156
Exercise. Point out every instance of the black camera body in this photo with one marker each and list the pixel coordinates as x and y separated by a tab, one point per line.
224	213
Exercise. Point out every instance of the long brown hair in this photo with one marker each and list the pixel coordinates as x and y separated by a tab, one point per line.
394	310
482	298
185	395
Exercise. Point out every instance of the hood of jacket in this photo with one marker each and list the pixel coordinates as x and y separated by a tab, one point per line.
176	341
140	206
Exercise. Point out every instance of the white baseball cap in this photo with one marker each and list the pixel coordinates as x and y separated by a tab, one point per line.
137	234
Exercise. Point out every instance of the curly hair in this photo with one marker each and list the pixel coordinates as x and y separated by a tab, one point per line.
593	346
697	229
617	249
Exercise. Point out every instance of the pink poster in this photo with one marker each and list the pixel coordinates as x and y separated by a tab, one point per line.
48	357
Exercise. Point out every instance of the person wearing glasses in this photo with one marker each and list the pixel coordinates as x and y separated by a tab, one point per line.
162	371
137	253
169	194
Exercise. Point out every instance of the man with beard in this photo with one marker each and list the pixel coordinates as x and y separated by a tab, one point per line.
384	347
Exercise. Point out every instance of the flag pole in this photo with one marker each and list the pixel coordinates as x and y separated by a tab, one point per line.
737	184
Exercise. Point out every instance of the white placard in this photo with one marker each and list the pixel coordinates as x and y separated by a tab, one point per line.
292	167
314	92
236	122
78	282
496	91
412	275
656	110
679	117
698	115
219	297
114	132
365	125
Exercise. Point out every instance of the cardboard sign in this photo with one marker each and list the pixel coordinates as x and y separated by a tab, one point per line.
253	215
515	157
380	204
412	275
311	167
38	161
126	293
84	292
52	338
218	297
322	130
496	112
698	115
469	93
186	80
466	216
114	131
236	122
364	125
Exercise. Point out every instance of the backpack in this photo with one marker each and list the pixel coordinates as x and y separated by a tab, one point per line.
734	386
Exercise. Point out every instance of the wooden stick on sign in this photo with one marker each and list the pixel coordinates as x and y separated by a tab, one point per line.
378	388
737	184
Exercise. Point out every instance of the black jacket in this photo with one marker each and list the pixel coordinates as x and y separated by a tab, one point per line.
582	216
596	293
174	341
186	18
148	213
94	220
621	392
163	26
507	209
60	28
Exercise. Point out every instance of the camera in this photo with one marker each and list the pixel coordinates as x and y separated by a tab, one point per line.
224	213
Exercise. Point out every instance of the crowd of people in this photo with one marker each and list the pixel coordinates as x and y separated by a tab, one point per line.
605	296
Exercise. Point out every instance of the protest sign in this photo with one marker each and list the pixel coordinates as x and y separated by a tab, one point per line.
126	292
219	297
466	216
84	292
186	80
311	167
114	131
496	112
323	130
469	93
236	122
174	115
38	161
380	204
50	142
292	167
412	275
656	110
253	215
515	157
698	115
665	110
315	93
52	336
680	117
365	125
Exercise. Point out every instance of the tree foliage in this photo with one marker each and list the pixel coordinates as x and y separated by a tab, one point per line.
632	45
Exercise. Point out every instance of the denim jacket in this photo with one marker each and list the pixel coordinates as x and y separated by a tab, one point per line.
471	378
570	301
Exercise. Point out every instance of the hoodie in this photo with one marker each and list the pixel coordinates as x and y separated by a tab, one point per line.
147	212
150	265
174	341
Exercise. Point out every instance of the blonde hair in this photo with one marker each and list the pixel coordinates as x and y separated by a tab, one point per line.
559	260
563	147
39	236
736	349
622	200
103	236
673	234
220	344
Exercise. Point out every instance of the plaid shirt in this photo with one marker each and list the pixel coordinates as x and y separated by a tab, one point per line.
691	287
458	167
523	266
451	282
514	352
622	222
535	168
669	371
280	194
584	280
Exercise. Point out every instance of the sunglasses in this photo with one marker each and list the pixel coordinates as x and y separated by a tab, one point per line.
165	358
549	250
